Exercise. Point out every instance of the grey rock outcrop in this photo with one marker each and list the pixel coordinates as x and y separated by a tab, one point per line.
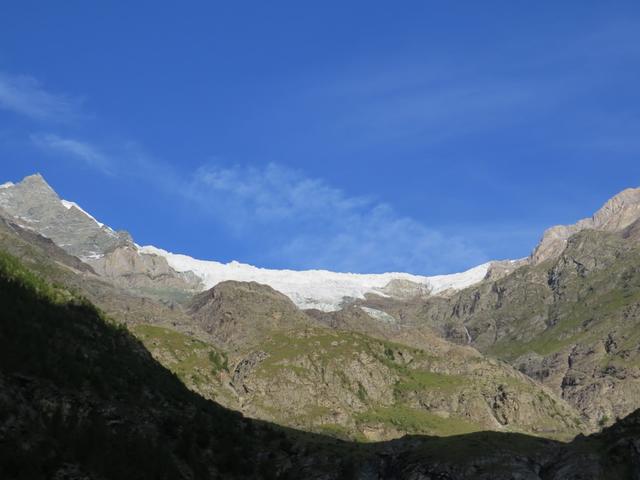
402	288
129	268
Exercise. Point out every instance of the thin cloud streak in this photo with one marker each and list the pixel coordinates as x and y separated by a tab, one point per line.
87	153
411	102
24	95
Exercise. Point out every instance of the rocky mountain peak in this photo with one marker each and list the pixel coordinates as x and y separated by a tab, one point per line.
36	181
618	213
35	205
33	185
239	313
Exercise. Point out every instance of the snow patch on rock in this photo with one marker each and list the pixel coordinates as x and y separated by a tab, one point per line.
378	315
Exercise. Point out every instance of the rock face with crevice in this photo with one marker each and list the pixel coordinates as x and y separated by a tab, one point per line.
355	386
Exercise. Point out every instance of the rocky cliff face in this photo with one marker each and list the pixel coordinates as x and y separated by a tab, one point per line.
47	258
148	274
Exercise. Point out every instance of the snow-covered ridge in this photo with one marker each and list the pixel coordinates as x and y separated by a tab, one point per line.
319	289
67	204
7	185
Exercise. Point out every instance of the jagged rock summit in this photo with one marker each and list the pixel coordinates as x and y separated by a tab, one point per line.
35	205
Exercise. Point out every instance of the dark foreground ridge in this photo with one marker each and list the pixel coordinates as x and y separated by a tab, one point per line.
81	398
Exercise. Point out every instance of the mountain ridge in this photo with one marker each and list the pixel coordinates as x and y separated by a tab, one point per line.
35	205
240	340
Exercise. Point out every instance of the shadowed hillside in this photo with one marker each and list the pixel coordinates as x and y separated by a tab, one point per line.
81	398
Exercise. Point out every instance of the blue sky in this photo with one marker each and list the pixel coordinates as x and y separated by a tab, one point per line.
359	136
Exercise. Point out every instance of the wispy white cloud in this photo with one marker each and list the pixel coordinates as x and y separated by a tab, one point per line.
272	193
310	224
24	95
406	105
91	155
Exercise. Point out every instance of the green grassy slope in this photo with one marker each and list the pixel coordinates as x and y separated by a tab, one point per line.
353	386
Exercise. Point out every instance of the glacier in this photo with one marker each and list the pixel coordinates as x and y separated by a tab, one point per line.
320	289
